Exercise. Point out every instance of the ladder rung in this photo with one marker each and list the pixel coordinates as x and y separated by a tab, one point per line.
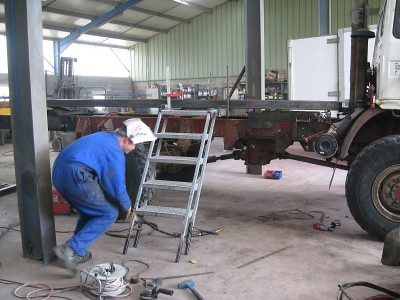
175	160
160	211
168	185
180	135
190	113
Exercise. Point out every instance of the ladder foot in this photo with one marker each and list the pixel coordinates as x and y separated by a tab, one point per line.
137	235
188	238
126	244
178	254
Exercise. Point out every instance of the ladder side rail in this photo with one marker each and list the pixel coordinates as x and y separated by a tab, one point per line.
146	168
200	158
194	188
139	195
203	169
163	128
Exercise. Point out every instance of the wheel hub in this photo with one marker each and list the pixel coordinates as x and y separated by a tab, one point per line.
396	193
386	192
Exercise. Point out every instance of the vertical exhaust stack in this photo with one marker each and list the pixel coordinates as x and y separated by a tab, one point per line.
359	54
327	144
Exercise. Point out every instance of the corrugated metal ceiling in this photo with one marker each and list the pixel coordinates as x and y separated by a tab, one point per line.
136	24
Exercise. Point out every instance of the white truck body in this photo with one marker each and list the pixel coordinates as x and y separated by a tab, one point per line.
319	67
387	58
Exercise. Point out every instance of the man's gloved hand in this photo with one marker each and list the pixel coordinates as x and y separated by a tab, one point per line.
124	215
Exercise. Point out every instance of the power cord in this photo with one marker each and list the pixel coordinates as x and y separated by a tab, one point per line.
46	290
343	287
195	233
290	215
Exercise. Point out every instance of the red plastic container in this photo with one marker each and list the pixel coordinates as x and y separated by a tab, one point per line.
60	205
272	174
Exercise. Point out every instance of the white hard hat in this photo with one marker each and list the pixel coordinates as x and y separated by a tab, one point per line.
138	132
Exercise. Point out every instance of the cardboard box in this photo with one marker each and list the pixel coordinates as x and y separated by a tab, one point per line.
272	75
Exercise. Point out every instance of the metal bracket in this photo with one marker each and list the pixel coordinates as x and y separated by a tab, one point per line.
334	94
332	41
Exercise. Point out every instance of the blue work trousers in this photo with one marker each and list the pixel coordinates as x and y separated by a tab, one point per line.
80	187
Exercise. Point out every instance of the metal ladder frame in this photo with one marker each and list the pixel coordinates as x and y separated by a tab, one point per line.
194	189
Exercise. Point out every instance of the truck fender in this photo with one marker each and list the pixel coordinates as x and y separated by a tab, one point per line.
355	127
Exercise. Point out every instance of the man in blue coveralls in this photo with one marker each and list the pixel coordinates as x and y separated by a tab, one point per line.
90	175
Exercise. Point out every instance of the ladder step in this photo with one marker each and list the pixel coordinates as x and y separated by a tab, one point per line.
161	211
168	185
180	135
189	113
175	160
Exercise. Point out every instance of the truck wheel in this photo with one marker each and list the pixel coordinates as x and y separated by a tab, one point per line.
134	167
373	186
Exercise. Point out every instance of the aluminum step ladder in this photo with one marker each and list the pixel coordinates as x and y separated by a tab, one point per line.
186	214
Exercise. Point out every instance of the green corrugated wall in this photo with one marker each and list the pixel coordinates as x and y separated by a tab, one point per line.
212	42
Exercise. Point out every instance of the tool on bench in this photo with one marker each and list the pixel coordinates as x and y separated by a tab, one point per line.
154	288
189	284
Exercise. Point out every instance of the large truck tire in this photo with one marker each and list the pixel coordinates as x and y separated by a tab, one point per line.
373	186
134	166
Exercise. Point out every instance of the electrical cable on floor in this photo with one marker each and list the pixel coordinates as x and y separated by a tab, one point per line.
135	278
11	228
196	231
106	280
8	228
7	165
47	290
343	287
290	215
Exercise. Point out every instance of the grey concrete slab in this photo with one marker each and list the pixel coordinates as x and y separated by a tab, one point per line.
311	267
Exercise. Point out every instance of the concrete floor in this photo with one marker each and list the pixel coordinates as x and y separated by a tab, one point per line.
310	267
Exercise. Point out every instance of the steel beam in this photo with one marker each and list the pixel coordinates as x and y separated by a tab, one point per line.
29	127
200	104
148	12
73	36
56	58
92	17
189	3
255	68
100	33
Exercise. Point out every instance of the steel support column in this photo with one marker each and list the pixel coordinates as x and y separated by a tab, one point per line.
29	127
255	63
56	58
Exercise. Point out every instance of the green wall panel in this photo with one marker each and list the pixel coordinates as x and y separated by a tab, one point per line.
341	13
204	48
211	43
287	19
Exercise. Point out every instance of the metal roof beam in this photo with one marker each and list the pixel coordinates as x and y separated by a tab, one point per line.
188	3
73	36
103	33
46	3
92	17
148	12
91	44
161	15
